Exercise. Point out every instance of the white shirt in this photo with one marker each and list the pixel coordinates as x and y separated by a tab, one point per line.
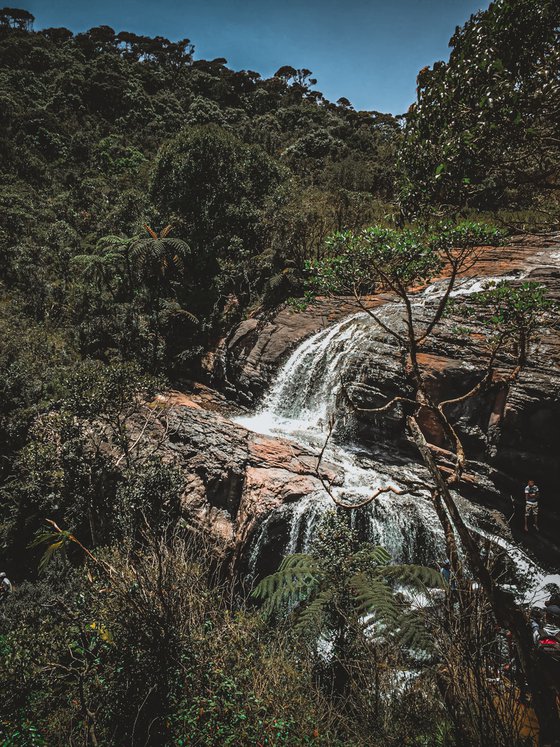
532	494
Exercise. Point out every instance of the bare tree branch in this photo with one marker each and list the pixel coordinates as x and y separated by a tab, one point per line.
328	487
383	408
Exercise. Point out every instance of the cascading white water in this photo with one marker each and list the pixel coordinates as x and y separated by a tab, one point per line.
298	406
304	392
303	395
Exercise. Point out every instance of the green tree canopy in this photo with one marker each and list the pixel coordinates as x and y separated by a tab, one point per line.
484	129
217	186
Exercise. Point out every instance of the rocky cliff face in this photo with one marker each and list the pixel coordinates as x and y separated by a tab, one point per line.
510	434
255	497
233	478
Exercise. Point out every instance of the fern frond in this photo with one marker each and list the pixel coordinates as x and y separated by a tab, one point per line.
111	241
165	231
172	308
176	245
414	635
139	249
314	612
379	555
84	260
151	231
375	597
275	281
294	581
418	577
192	317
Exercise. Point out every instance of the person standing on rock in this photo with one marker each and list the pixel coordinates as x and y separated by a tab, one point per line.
5	586
531	504
448	577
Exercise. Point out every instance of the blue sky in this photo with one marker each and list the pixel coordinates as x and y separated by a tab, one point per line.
367	50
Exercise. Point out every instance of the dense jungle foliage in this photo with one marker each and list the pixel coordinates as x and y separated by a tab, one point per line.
149	201
484	129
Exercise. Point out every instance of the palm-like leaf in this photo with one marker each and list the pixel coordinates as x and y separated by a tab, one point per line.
375	600
418	577
112	242
305	579
54	541
159	253
413	634
313	614
172	308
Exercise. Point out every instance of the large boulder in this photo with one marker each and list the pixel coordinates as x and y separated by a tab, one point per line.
233	478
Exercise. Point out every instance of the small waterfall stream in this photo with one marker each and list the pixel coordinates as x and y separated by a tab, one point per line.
298	407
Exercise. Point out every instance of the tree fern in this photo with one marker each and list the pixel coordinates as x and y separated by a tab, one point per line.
339	578
159	253
173	309
295	580
375	600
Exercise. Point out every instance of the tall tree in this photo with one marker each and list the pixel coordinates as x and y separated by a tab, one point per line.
16	18
217	186
484	129
399	261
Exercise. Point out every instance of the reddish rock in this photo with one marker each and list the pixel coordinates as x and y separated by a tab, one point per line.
233	477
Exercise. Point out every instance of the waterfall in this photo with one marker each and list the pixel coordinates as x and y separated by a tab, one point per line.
298	407
304	393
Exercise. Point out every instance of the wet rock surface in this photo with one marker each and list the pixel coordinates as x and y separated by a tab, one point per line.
246	361
233	477
510	433
255	498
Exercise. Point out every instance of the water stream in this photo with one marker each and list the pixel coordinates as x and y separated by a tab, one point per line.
298	407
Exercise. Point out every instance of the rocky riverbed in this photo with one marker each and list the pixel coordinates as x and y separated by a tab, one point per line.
509	434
